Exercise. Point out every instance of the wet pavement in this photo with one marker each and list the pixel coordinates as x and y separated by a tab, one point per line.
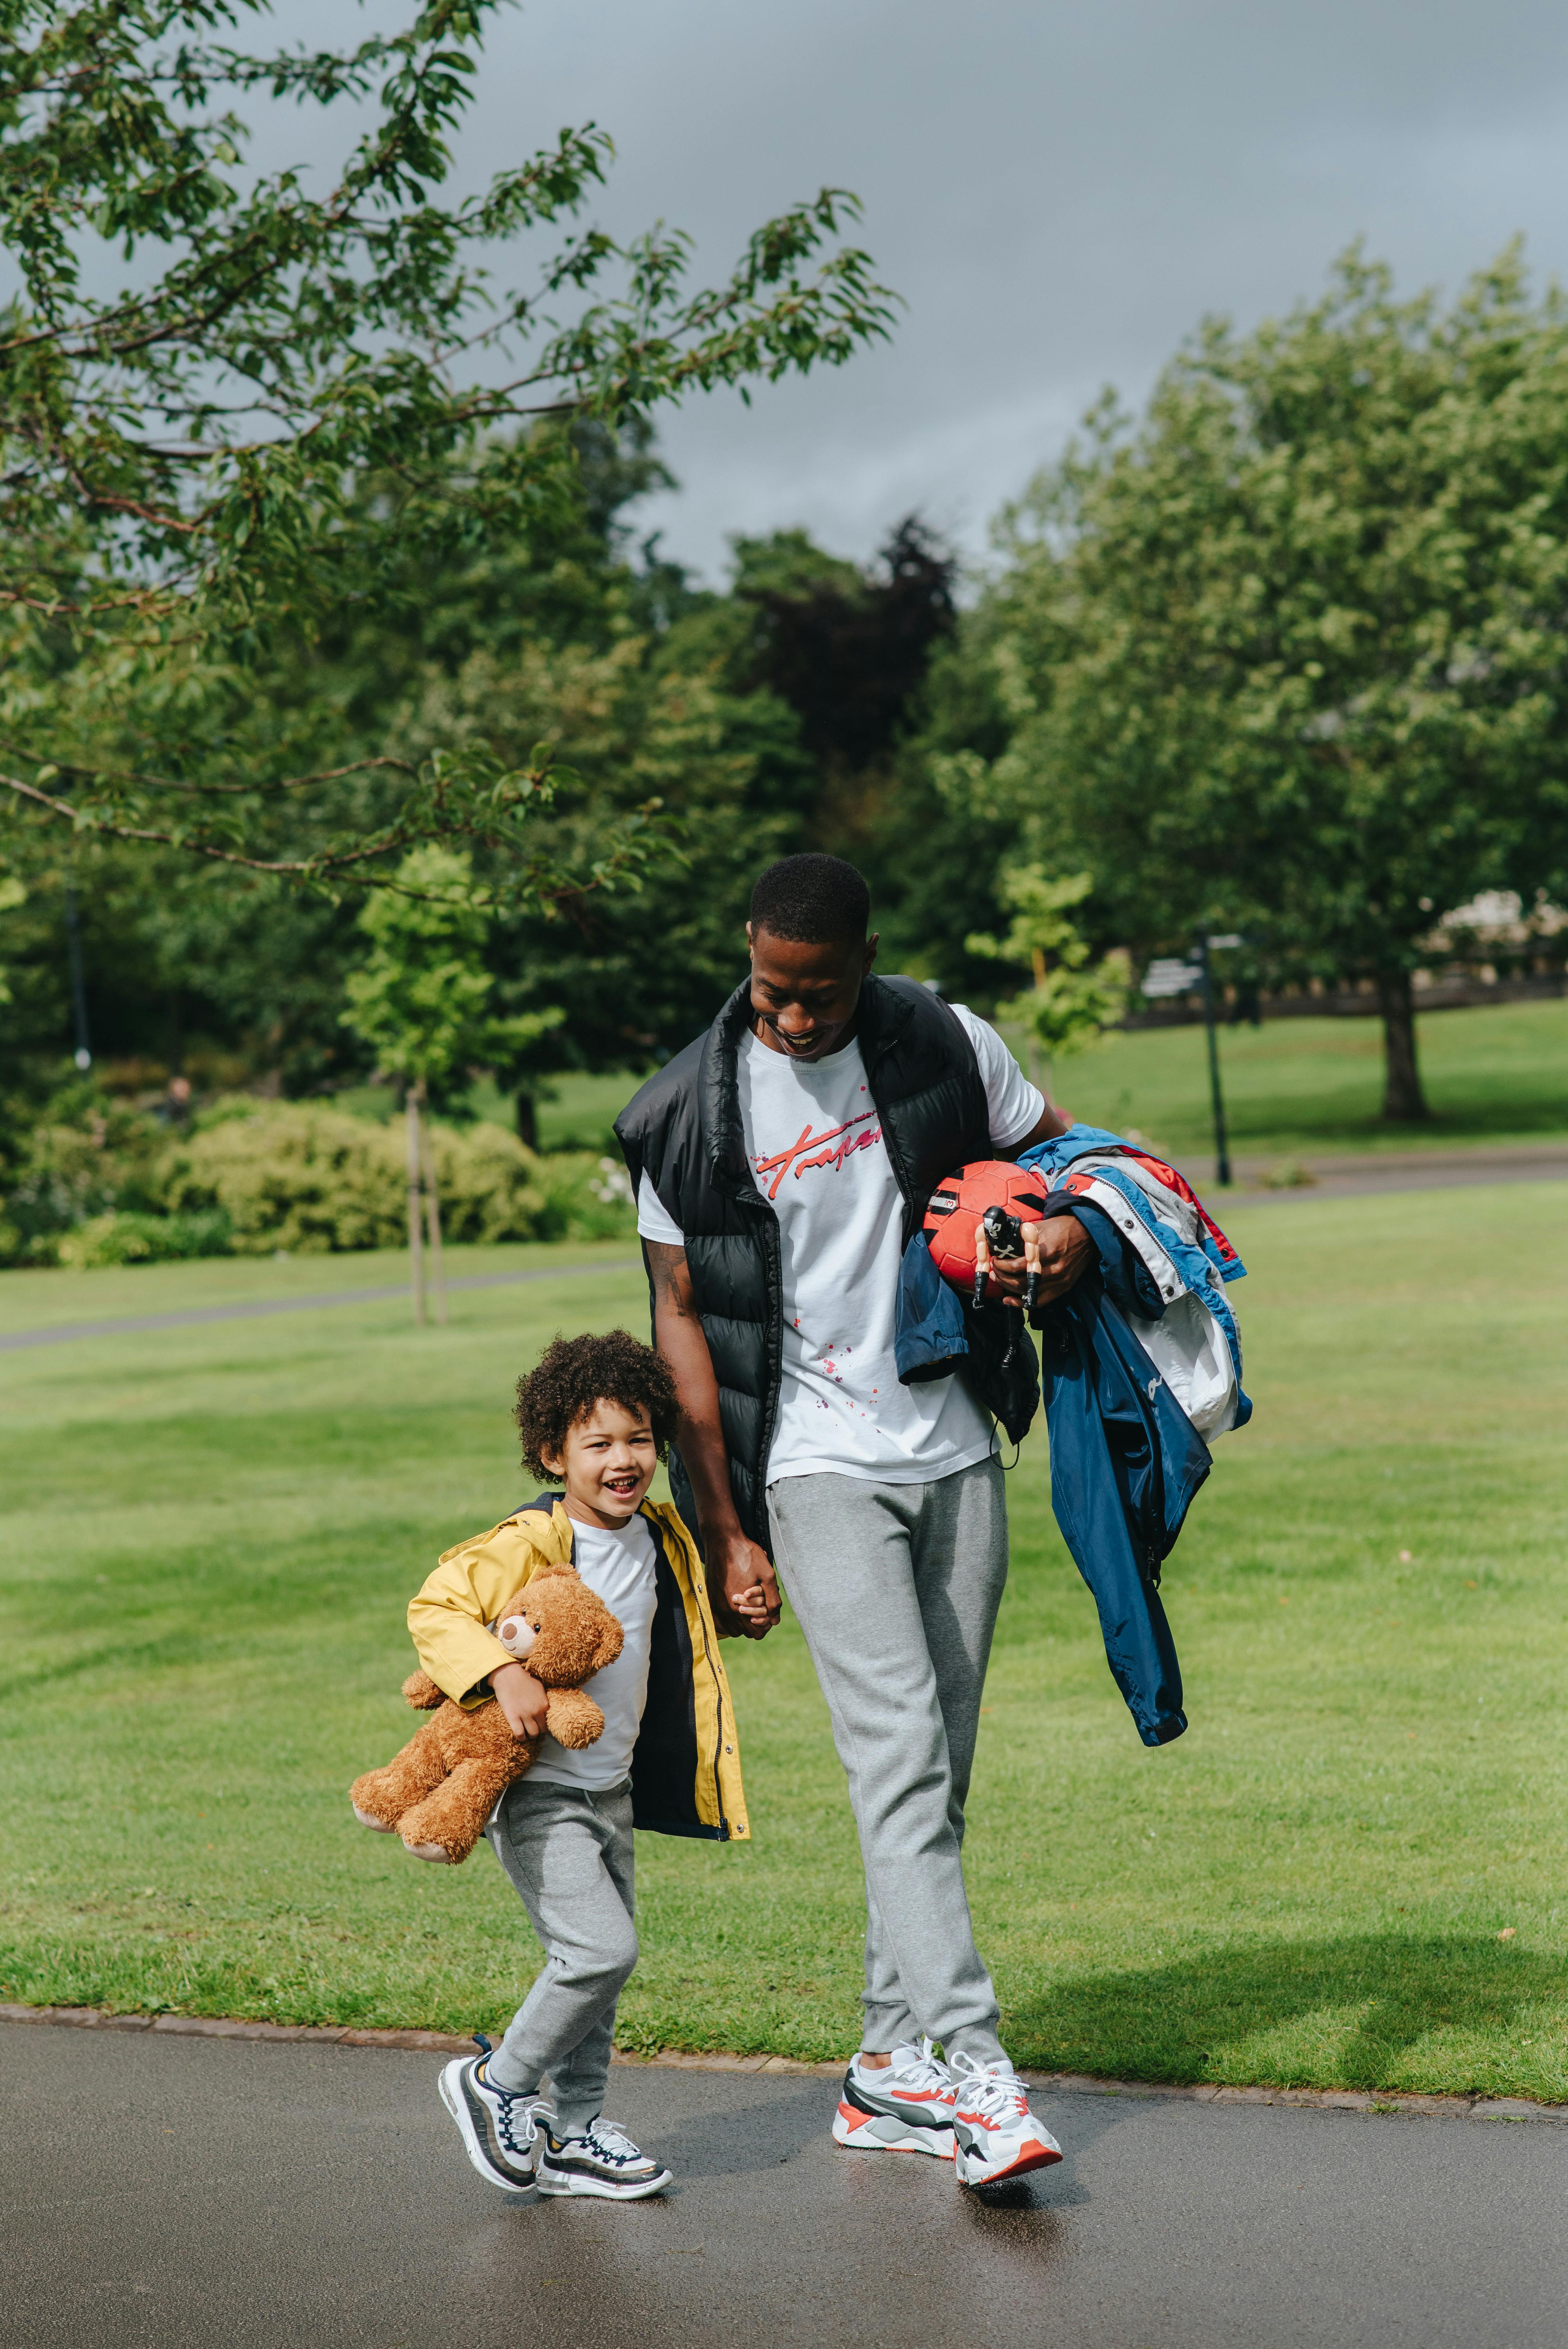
188	2192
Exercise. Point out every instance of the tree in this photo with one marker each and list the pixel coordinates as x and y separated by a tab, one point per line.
301	404
421	1001
12	893
1070	1003
847	652
640	683
1291	655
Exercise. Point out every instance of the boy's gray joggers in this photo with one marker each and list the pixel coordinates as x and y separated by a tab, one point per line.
897	1587
570	1854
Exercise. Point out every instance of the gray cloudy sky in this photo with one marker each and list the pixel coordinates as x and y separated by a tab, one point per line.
1058	191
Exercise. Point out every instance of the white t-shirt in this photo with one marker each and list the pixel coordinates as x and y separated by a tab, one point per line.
622	1567
815	1146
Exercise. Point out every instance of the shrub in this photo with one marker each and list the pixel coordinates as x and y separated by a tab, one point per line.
91	1156
259	1177
488	1182
293	1175
126	1237
584	1199
288	1175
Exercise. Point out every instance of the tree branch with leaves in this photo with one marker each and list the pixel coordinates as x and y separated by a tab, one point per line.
1074	998
184	461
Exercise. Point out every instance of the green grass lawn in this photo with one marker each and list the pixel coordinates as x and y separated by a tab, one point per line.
580	1111
1294	1088
1493	1074
210	1534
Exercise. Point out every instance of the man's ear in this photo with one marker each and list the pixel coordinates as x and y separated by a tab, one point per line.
871	944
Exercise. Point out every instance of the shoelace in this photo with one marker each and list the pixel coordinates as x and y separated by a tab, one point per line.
991	2096
611	2141
512	2108
506	2126
927	2073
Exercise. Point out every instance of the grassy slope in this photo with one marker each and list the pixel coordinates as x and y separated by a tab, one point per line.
211	1535
1292	1087
1495	1073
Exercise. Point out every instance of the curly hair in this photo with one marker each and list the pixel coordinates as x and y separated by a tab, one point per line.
573	1375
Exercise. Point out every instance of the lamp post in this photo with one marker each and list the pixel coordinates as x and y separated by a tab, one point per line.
1202	945
83	1055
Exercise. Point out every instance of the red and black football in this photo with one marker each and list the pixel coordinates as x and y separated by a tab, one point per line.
960	1201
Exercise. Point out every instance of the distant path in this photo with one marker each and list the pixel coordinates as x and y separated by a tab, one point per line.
1332	1178
172	2193
63	1331
1373	1174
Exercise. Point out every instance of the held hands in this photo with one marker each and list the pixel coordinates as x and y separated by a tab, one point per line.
743	1588
520	1698
1057	1251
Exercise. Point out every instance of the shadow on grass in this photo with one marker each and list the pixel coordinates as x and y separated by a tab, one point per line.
1445	2012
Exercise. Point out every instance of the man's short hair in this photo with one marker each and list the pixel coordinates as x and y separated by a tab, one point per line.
816	900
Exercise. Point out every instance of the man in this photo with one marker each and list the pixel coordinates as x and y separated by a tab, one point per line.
780	1164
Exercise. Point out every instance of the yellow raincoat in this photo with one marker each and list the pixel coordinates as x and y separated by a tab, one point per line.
686	1769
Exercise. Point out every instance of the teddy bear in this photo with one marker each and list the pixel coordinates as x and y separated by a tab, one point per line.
439	1790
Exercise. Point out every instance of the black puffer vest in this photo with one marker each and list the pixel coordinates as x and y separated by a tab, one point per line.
683	1131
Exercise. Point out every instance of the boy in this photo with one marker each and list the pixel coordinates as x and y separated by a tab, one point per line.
595	1417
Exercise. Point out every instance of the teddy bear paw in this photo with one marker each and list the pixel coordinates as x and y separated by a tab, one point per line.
382	1827
435	1851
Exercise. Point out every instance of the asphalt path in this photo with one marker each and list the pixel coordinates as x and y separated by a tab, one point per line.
191	2193
1330	1178
62	1332
1373	1175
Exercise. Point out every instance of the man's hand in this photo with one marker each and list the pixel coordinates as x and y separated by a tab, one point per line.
521	1698
742	1588
1058	1250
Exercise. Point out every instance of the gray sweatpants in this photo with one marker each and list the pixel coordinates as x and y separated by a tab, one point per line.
570	1854
897	1587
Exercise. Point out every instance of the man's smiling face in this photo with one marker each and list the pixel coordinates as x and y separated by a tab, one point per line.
805	994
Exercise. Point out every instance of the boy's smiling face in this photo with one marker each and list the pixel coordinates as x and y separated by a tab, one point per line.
607	1464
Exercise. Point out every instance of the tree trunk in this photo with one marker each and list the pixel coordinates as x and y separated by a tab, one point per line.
416	1243
433	1220
1403	1100
528	1121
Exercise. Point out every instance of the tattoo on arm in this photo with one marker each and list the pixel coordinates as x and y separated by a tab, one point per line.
672	1279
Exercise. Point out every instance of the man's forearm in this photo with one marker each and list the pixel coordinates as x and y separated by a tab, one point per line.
741	1584
680	1338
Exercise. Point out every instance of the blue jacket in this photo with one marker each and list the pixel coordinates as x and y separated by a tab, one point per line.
1116	1373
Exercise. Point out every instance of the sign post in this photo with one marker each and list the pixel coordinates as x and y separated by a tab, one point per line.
1178	975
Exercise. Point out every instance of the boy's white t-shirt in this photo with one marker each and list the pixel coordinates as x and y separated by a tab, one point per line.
622	1567
814	1142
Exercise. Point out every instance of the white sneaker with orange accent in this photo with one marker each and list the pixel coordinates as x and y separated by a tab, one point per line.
996	2135
905	2106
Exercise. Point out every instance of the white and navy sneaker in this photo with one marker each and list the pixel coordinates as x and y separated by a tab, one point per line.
602	2160
995	2133
905	2106
500	2129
